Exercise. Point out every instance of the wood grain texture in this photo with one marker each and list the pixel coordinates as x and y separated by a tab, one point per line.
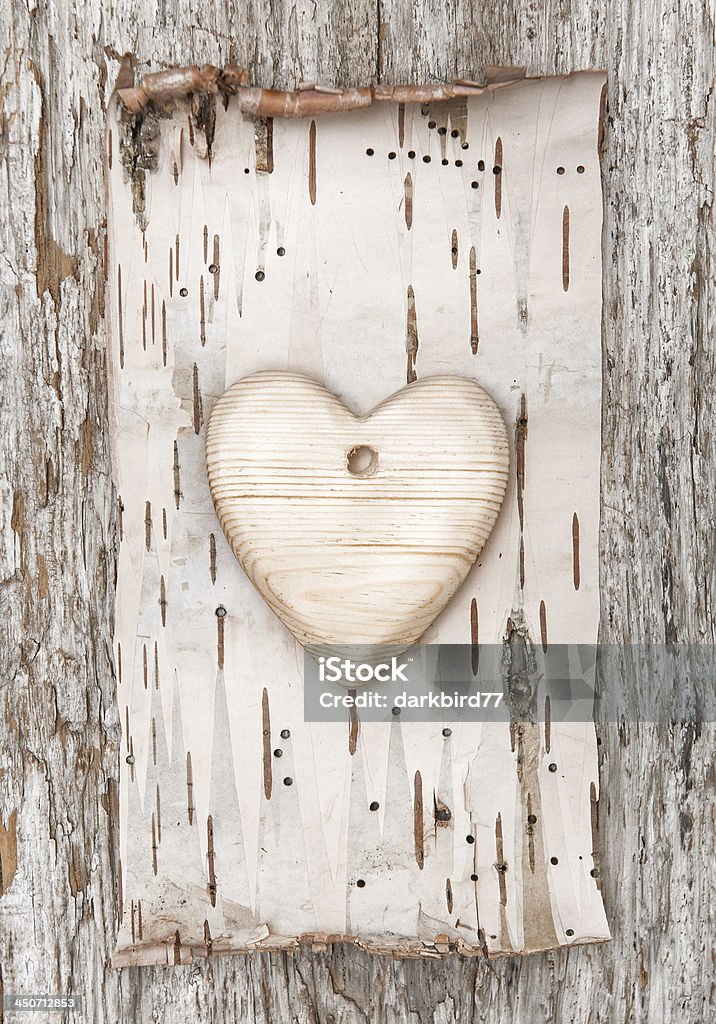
356	553
58	768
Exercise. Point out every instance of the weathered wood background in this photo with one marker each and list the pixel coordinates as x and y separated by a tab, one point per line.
59	729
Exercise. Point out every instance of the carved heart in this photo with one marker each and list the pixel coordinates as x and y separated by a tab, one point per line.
356	531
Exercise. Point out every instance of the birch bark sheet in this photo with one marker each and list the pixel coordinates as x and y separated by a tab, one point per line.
362	249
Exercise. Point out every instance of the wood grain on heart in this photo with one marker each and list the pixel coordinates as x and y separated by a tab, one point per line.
356	530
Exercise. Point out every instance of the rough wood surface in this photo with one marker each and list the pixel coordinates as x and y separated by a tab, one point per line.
60	733
284	453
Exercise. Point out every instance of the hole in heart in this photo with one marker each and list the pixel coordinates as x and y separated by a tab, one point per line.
362	460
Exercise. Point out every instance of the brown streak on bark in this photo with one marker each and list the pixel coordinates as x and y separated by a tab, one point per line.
147	524
266	728
210	857
202	312
196	401
177	482
418	820
144	318
565	248
594	819
498	178
474	637
474	331
411	341
220	640
500	866
212	557
530	835
408	185
547	724
354	729
520	452
312	163
120	318
189	788
575	551
216	262
543	624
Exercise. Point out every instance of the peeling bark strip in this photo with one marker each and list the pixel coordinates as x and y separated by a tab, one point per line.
565	248
233	81
266	723
497	171
312	163
575	551
408	200
411	336
418	820
474	331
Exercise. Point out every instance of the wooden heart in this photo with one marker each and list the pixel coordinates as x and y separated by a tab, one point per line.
356	530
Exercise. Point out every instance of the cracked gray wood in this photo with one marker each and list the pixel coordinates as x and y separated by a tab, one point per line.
59	730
